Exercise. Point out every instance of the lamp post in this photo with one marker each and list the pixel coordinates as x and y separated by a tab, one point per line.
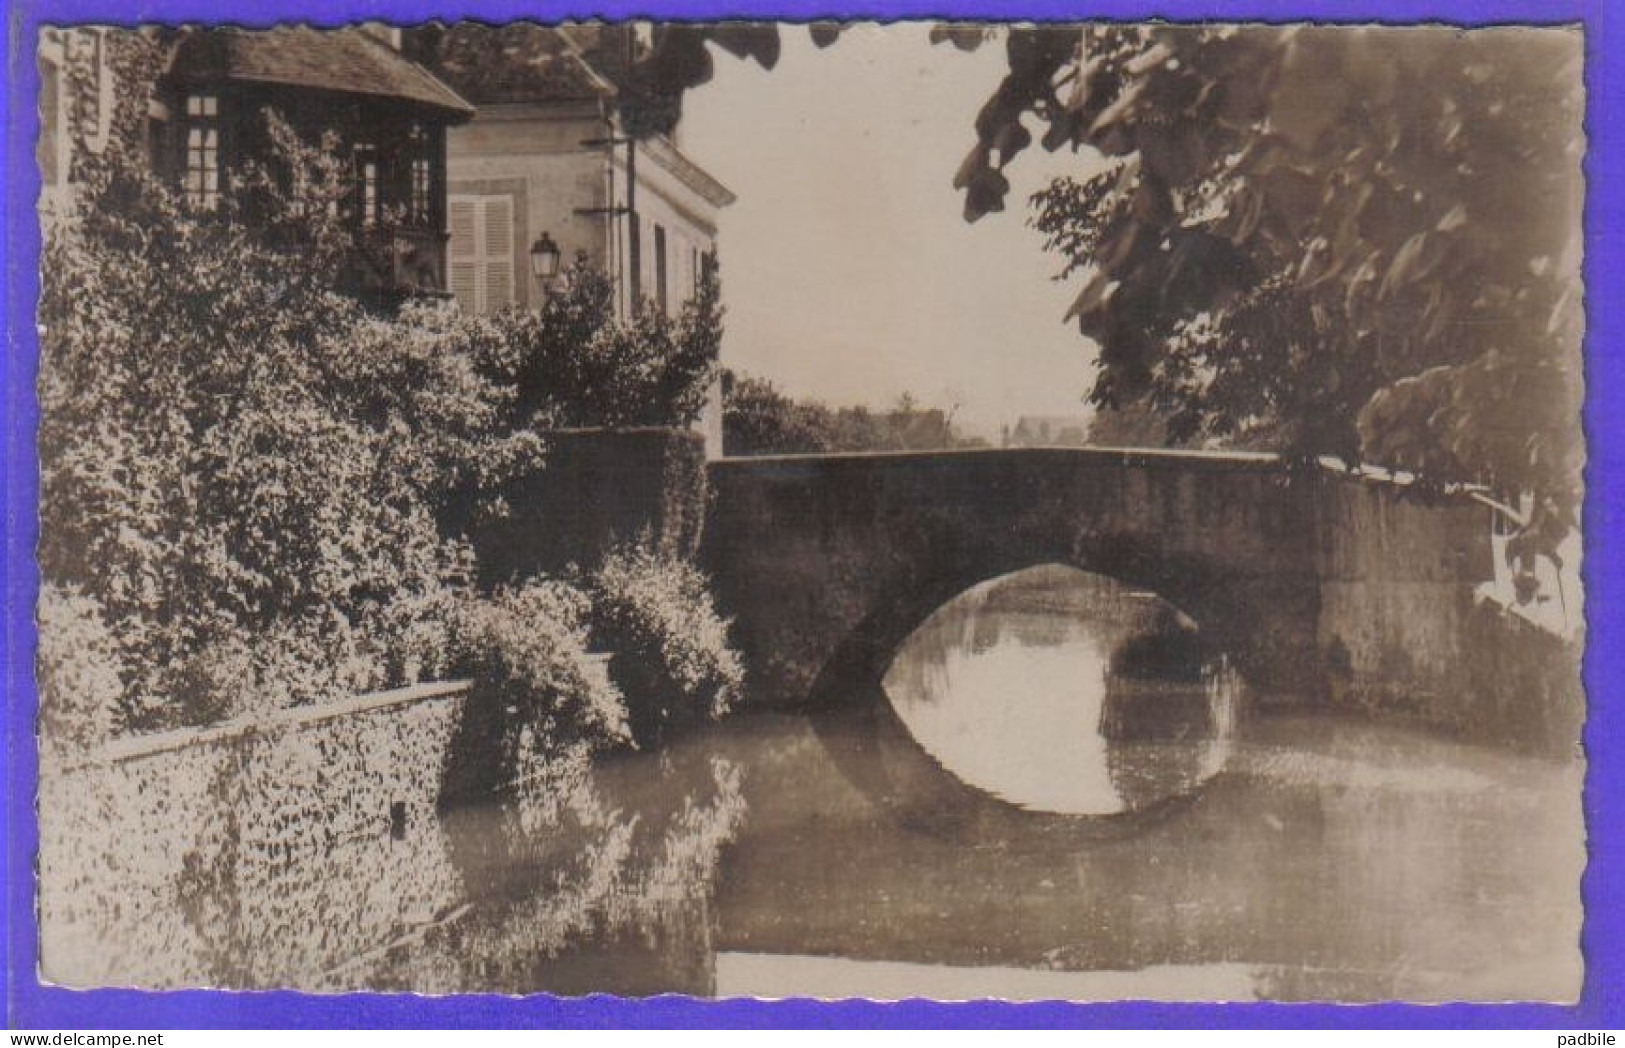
544	262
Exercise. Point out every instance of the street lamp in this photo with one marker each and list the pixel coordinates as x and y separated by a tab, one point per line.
544	258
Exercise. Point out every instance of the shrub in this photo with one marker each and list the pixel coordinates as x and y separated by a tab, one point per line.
239	467
670	651
536	693
577	363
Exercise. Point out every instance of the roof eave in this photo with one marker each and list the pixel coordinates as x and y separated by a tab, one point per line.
691	174
461	112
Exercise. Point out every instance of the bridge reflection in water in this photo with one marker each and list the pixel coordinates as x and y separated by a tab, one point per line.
902	846
1065	692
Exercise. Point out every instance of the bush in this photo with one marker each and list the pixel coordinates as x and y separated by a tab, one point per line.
670	651
537	697
537	694
578	364
239	467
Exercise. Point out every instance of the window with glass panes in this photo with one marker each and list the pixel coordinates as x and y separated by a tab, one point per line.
422	177
202	175
366	184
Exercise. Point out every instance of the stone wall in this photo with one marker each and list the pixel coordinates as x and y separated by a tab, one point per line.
594	488
151	849
314	849
1404	631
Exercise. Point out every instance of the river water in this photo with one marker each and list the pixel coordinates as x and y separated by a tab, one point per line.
1056	791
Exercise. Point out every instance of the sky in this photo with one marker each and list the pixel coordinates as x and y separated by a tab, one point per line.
849	272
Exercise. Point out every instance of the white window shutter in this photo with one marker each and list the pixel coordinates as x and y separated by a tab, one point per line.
481	251
498	252
460	215
465	284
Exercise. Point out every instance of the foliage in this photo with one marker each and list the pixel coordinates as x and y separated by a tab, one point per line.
526	648
670	648
238	466
649	71
576	363
80	695
676	59
1134	424
758	419
1357	242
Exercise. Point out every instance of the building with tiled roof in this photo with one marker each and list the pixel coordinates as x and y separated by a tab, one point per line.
355	63
207	117
548	156
520	61
546	153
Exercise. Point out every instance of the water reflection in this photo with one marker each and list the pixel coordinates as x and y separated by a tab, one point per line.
232	890
606	888
1065	692
1335	859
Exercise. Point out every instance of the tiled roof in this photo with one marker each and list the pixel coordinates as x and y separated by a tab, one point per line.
519	61
345	60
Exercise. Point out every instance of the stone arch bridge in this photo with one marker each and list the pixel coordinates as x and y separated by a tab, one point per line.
1320	584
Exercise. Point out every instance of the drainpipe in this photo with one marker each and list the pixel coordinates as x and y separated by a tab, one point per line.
634	231
633	284
634	245
612	254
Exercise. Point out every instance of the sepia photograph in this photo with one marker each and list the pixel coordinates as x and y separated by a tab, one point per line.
1002	511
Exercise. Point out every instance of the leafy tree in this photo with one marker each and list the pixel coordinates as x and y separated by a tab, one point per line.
1356	241
758	419
1361	242
576	363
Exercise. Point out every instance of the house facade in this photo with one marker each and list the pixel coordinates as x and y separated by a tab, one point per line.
77	100
546	155
206	117
444	198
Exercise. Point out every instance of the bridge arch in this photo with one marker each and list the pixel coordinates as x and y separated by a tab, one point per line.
829	562
1332	588
899	605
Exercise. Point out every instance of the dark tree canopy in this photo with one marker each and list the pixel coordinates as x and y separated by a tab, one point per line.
1359	242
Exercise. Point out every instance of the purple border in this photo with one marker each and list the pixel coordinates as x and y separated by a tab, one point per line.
30	1005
